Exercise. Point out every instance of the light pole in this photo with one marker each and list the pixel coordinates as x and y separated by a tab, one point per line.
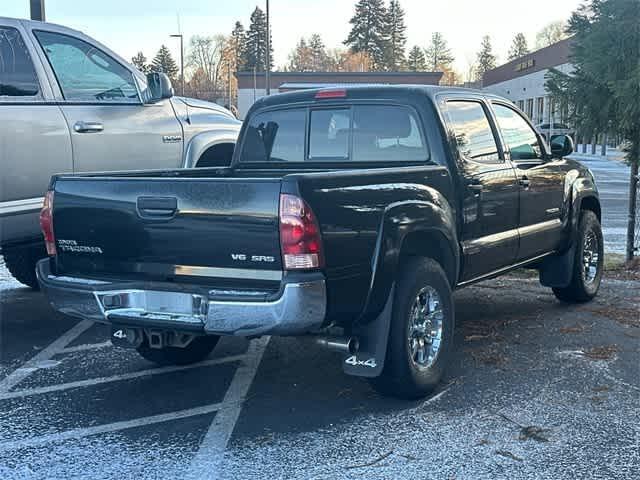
179	35
268	66
37	10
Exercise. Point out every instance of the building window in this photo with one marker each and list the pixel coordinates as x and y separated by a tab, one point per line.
539	109
529	110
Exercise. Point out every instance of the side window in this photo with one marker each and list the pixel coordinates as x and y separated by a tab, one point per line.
329	134
518	135
472	131
18	77
86	74
387	133
276	136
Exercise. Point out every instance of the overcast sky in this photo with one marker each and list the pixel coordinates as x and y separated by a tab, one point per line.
128	26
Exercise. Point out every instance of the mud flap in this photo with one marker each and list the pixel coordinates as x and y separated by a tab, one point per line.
373	338
557	271
126	337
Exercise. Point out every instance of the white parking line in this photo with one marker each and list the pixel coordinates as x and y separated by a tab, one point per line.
86	346
46	353
107	428
209	457
116	378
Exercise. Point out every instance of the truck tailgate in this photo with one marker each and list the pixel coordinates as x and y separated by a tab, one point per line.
168	228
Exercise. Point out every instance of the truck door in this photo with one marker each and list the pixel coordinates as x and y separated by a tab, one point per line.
34	140
489	191
541	184
111	128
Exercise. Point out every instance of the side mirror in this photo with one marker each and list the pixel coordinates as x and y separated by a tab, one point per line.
159	86
561	146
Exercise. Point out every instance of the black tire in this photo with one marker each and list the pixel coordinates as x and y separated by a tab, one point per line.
584	287
402	376
21	263
196	351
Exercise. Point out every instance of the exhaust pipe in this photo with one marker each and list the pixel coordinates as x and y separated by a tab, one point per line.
340	344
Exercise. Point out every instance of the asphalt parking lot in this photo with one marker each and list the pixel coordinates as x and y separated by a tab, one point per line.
536	389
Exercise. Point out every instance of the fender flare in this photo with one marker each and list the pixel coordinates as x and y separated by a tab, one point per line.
430	217
201	142
583	190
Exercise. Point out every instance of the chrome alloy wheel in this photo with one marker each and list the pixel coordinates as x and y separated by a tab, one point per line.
425	327
590	257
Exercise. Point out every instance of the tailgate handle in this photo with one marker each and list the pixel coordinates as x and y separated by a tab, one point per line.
157	207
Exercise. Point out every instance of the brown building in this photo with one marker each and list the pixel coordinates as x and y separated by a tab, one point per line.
252	87
523	81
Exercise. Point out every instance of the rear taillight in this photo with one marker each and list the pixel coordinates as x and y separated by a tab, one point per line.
46	223
300	239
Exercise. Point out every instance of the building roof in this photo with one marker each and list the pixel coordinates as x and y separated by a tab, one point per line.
543	59
246	79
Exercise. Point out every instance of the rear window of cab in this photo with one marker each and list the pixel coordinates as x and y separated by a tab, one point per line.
358	133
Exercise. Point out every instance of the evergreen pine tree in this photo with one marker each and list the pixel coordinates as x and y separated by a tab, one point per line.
255	51
438	54
164	62
604	87
417	61
318	51
486	58
140	62
519	47
237	43
396	37
368	31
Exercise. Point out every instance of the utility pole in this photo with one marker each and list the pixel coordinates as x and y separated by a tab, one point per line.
179	35
268	60
37	10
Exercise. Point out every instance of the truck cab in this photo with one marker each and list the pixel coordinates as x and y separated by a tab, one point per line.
69	104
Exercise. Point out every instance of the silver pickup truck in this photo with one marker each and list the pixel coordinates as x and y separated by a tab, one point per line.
69	104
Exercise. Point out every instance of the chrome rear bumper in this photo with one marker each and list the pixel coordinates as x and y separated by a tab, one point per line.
299	307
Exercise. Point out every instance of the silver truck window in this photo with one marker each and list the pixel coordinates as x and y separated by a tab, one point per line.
18	77
472	131
86	74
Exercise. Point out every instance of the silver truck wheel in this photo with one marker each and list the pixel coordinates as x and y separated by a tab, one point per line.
21	263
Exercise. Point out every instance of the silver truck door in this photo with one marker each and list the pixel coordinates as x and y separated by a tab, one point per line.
111	128
34	139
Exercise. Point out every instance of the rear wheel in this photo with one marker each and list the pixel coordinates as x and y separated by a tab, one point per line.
21	263
588	262
421	333
196	351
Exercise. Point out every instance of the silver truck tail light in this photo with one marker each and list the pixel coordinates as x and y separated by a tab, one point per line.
300	240
46	223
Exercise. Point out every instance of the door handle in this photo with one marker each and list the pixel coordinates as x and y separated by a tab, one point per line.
88	127
524	182
475	186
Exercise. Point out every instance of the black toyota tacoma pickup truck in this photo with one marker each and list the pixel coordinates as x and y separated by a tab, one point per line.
348	214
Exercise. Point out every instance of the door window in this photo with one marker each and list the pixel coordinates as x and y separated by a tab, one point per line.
18	77
472	131
518	135
86	74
